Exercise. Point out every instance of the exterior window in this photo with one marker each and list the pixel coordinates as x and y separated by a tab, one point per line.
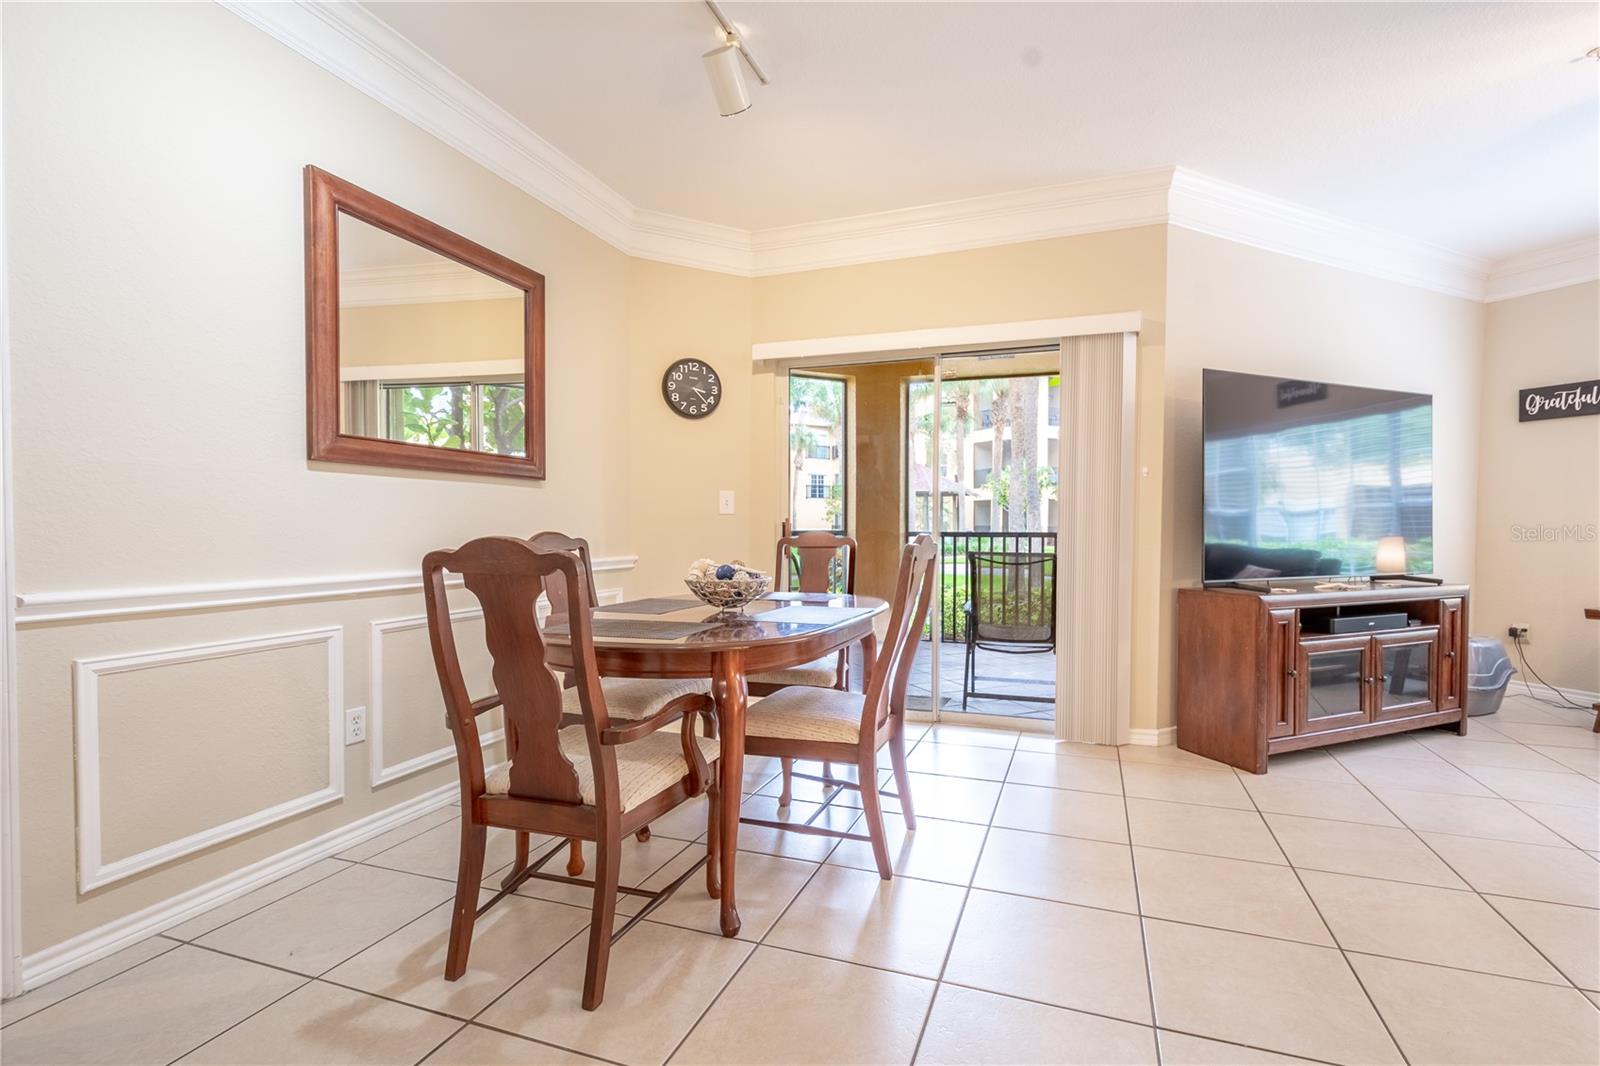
818	452
471	415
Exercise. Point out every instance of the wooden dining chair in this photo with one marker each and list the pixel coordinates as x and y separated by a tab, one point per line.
597	780
812	562
626	697
804	722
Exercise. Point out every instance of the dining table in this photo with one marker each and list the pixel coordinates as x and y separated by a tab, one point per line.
679	636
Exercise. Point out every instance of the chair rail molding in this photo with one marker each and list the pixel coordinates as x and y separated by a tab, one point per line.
35	608
93	871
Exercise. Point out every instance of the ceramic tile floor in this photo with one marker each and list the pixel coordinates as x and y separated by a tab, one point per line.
1421	899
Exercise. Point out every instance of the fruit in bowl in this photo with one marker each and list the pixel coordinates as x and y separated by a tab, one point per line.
727	586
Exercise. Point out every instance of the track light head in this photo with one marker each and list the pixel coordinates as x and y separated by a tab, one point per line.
727	80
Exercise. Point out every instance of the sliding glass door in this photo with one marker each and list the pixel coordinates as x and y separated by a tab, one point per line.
966	448
998	438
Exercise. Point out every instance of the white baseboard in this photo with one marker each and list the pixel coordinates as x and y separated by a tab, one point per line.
1153	738
87	947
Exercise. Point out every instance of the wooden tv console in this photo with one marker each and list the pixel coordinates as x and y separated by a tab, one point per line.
1259	673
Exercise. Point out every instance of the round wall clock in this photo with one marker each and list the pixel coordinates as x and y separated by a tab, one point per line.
691	388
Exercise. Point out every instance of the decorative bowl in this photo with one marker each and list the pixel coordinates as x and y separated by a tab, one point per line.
727	586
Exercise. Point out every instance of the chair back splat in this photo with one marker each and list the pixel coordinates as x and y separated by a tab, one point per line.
913	594
817	562
555	586
507	576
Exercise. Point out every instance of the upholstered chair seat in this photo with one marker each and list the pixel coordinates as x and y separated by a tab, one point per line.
819	673
645	768
800	713
638	697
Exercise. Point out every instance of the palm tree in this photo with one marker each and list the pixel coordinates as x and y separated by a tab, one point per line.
962	397
1023	468
1000	410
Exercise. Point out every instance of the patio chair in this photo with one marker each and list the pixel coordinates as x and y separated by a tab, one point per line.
598	780
1010	609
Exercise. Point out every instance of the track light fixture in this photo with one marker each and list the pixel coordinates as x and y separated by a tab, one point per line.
722	67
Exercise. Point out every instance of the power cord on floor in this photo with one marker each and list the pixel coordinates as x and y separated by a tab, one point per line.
1522	655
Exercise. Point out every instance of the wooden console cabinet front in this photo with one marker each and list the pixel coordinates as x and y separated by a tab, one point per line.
1260	673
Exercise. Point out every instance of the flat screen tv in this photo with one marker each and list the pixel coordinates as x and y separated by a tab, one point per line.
1304	478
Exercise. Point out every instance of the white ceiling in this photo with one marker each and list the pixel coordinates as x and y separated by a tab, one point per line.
1473	127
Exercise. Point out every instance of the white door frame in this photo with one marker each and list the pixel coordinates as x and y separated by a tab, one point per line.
932	343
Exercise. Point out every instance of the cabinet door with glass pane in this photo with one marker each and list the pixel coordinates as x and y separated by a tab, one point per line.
1332	684
1406	679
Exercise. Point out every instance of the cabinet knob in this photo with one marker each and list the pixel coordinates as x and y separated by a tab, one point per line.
1451	654
1294	673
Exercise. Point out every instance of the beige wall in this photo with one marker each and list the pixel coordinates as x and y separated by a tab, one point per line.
1233	307
455	331
1124	270
155	216
677	466
1539	486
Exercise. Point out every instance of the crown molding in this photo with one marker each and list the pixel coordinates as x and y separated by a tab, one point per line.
1548	268
1220	209
419	283
1118	202
352	44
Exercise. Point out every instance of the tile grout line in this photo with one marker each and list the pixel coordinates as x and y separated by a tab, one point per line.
265	1006
157	936
1138	906
752	952
961	914
1343	956
1475	891
457	1032
1155	1029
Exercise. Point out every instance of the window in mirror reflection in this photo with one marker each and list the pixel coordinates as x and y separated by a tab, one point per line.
431	352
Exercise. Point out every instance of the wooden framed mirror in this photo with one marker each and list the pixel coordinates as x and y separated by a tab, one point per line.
424	350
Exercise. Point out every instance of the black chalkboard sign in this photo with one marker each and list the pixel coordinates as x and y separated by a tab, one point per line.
1559	401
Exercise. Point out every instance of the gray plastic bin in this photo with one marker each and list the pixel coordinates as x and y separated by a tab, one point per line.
1489	671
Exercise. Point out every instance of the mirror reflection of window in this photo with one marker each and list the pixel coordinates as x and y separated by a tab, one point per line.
431	352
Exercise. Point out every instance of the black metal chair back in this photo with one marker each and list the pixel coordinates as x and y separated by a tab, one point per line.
1013	597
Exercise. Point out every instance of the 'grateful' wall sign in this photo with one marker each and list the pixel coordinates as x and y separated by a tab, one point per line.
1559	401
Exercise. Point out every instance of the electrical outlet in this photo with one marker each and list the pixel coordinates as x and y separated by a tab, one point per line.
1522	633
725	501
355	725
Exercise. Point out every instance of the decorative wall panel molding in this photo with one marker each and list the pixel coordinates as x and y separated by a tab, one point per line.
93	871
34	608
378	771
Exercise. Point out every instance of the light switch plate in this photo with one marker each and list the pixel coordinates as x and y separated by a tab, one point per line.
725	501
